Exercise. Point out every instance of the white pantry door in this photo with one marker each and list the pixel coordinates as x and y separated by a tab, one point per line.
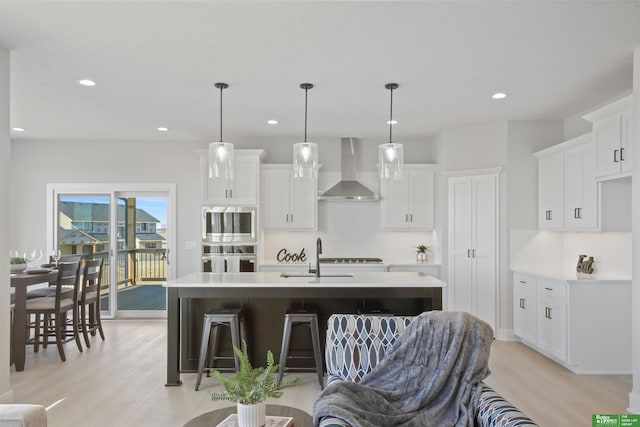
472	281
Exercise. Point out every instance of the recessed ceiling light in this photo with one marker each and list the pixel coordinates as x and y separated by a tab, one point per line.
392	122
18	129
163	129
272	122
87	82
499	95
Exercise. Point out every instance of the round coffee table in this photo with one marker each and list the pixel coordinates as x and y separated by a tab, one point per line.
210	419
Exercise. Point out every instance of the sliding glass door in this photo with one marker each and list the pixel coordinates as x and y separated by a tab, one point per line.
130	227
141	253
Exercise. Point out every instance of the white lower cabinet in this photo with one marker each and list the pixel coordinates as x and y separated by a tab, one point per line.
524	308
551	318
584	324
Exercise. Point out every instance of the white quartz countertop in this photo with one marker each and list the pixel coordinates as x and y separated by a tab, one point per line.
573	277
274	279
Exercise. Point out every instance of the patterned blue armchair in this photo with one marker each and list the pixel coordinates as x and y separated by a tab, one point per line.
355	344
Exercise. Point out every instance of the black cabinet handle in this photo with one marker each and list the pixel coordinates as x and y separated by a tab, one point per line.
615	156
621	151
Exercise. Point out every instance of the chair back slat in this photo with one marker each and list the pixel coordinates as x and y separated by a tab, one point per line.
67	281
92	277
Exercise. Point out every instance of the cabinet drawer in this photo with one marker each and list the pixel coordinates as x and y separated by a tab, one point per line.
548	288
524	281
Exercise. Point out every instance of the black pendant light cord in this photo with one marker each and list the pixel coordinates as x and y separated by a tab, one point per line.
306	87
221	86
391	87
391	117
305	113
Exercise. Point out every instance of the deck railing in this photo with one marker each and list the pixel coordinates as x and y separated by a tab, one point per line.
135	266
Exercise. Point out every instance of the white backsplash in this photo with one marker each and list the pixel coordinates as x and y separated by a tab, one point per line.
351	229
558	251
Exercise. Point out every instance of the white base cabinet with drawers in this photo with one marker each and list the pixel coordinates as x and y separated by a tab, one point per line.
583	324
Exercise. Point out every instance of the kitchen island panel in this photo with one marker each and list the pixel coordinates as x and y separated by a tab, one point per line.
266	296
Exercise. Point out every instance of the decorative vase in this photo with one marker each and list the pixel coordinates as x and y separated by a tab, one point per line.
421	257
252	415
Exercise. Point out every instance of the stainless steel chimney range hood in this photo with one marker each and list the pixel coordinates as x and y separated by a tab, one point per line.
348	188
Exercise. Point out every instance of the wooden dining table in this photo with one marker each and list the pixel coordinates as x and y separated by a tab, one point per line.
20	282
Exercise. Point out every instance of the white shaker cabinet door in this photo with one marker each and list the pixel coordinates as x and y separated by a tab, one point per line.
551	192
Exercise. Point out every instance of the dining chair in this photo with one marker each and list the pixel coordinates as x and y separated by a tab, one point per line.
90	298
51	289
56	308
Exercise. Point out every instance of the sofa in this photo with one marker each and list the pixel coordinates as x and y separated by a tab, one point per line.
17	415
355	344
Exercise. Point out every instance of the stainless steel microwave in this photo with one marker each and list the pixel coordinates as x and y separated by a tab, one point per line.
229	224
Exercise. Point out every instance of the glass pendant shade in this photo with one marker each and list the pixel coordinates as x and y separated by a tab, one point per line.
221	160
390	160
391	154
221	153
305	160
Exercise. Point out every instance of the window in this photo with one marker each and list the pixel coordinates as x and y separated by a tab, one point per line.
152	245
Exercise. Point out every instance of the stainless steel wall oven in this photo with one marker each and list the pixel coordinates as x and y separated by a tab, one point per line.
229	239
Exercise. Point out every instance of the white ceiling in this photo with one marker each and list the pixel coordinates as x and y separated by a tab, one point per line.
156	63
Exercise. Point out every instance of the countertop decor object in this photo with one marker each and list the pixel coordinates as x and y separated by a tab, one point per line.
421	253
250	387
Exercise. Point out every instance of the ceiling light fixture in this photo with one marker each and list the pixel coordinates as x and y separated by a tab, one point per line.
87	82
305	154
163	129
221	153
499	95
391	154
272	122
392	122
18	129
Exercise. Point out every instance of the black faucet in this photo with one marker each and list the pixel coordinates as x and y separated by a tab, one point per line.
318	252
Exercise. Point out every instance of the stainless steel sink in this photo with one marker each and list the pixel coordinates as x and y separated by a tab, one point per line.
287	275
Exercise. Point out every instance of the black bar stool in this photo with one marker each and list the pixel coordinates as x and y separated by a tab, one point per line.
296	317
234	319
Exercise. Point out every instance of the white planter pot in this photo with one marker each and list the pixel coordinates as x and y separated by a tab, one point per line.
17	268
252	415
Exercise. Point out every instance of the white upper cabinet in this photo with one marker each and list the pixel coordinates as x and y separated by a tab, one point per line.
288	203
409	203
580	188
242	190
567	190
551	192
611	138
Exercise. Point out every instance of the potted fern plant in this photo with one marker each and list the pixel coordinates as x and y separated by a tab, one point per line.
250	387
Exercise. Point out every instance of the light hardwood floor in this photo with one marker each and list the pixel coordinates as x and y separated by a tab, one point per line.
120	382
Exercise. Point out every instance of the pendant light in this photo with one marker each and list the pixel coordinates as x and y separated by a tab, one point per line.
305	154
391	154
221	153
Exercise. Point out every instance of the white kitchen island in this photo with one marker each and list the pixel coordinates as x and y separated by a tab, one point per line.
257	291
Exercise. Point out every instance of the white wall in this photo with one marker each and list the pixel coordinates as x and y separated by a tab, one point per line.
36	163
6	395
575	126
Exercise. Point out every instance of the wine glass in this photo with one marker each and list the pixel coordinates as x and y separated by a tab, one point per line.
55	255
37	257
29	256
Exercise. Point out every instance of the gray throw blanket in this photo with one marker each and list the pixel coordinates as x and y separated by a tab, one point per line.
430	377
